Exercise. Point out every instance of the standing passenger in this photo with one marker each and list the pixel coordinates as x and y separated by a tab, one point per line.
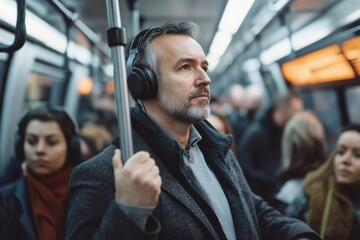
182	182
259	151
238	115
303	150
330	201
35	206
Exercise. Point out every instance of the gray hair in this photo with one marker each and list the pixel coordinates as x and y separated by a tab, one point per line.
146	54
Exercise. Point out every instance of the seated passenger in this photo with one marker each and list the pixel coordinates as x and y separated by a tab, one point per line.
330	201
35	206
302	151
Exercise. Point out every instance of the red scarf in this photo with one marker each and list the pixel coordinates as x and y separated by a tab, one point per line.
49	196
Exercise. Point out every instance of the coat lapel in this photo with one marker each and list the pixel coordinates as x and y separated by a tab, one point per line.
162	147
172	187
25	221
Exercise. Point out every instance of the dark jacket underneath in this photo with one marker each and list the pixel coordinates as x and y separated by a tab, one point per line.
16	221
181	212
259	154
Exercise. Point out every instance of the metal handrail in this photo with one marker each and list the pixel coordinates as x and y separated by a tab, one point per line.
116	39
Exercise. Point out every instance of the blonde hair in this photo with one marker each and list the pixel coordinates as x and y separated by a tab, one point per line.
302	142
98	133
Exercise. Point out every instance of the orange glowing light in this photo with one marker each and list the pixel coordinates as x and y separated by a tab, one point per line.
351	49
85	85
110	88
325	65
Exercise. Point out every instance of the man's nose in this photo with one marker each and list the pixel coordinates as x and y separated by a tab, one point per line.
202	78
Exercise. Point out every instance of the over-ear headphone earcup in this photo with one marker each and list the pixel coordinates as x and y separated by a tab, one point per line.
19	147
75	149
142	82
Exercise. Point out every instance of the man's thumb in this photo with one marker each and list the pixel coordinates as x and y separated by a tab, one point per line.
117	163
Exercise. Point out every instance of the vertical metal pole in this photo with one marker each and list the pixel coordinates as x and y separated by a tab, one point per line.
135	17
121	93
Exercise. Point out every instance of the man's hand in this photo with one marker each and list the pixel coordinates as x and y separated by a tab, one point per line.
138	182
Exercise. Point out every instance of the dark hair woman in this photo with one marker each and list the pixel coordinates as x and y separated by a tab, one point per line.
35	206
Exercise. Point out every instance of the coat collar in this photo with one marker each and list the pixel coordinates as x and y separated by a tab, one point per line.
165	145
211	137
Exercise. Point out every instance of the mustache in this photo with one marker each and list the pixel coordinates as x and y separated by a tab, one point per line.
200	91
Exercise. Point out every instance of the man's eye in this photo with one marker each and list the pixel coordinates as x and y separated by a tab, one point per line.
357	154
185	67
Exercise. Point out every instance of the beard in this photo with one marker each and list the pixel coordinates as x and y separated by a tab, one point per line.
180	107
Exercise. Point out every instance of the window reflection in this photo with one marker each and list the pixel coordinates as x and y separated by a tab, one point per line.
353	103
325	104
38	87
45	83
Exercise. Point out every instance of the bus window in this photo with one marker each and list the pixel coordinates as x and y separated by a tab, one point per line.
325	104
353	103
45	84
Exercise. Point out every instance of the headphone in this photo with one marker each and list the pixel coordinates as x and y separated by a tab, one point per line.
141	79
50	114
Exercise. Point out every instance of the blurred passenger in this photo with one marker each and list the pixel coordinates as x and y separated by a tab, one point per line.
88	148
303	150
108	120
259	151
35	206
330	201
182	182
237	116
221	123
220	104
99	134
253	101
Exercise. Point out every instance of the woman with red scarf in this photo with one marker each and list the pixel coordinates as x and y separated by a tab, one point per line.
35	206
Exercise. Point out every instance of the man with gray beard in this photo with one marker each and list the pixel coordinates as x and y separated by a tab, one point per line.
183	182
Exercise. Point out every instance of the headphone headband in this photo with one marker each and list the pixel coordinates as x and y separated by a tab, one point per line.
135	45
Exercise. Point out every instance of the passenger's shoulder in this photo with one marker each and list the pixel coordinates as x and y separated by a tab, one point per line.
298	207
290	190
10	187
8	194
6	190
101	163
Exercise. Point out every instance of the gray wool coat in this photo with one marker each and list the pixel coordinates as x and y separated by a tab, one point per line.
180	213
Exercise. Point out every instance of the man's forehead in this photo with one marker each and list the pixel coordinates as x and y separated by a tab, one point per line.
177	41
177	45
